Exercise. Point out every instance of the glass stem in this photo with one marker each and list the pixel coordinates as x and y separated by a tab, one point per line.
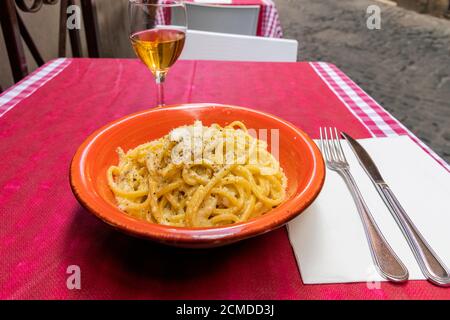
160	77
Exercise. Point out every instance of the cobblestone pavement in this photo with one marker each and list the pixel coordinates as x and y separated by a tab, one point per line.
405	66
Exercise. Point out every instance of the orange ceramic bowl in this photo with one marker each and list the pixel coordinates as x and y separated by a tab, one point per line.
299	157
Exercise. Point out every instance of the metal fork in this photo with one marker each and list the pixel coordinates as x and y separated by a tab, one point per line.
386	261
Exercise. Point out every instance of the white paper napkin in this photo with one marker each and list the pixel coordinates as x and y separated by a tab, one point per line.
214	1
328	238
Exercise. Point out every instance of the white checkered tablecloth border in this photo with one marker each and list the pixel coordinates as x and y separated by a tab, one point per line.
26	87
271	25
375	118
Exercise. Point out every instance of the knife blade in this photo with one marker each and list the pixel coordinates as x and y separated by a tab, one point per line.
430	264
364	159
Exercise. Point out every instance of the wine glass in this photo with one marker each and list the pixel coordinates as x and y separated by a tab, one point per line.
157	34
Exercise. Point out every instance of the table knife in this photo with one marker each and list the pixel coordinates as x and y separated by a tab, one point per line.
430	264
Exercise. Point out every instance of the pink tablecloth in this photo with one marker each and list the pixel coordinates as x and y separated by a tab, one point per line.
44	230
269	24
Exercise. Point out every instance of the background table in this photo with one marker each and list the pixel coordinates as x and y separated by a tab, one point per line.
269	24
45	118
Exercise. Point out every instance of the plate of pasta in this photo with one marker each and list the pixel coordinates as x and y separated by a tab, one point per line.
197	175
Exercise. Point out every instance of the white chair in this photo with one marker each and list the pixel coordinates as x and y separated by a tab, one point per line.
201	45
220	18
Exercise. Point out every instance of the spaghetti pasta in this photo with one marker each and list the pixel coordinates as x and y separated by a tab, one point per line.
198	176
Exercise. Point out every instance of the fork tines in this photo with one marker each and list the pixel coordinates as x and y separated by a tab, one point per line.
331	146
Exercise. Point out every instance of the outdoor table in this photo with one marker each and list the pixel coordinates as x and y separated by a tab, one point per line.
44	230
269	24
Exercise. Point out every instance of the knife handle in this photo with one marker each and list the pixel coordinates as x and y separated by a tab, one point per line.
430	264
386	261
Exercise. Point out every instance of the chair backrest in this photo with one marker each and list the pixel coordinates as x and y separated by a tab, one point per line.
222	18
201	45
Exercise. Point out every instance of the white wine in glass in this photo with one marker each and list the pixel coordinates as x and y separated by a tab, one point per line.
158	33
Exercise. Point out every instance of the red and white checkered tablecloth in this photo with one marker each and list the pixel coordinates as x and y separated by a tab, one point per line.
30	84
45	230
269	24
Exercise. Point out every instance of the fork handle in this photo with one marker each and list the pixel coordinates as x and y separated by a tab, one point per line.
386	261
430	264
